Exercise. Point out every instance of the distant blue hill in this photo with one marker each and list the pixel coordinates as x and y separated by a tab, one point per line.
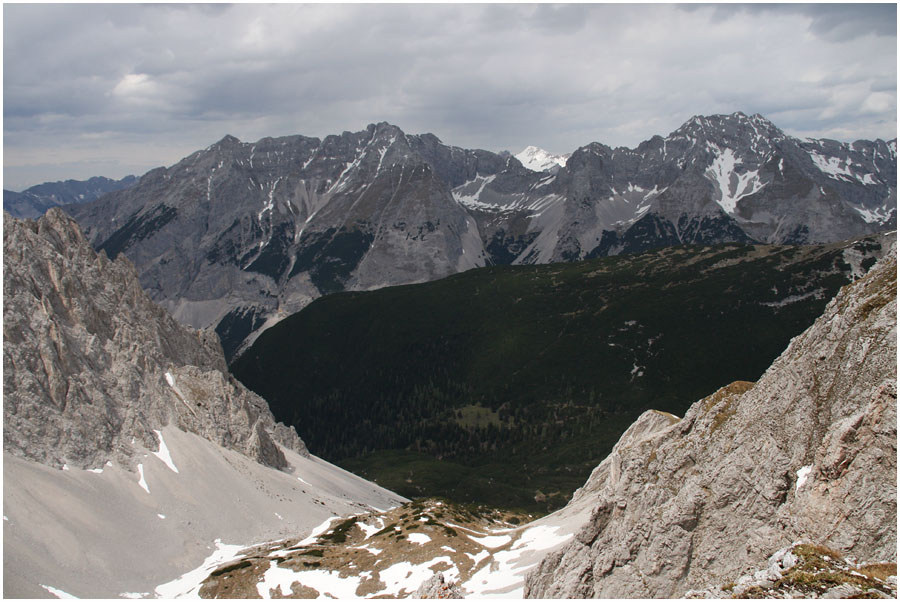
35	201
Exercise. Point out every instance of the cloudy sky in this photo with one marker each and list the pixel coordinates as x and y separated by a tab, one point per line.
118	89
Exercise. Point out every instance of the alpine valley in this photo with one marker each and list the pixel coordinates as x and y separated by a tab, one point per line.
668	371
135	467
507	385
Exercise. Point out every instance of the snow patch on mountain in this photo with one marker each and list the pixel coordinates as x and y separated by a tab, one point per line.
537	159
733	186
163	453
878	215
835	167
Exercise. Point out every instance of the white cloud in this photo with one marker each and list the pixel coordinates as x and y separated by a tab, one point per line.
174	78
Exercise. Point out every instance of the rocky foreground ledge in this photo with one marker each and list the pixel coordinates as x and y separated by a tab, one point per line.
805	570
809	453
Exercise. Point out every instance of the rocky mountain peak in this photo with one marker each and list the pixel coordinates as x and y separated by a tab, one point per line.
91	366
227	141
736	131
537	159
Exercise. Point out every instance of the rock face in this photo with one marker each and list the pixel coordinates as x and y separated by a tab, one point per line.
808	452
35	201
91	365
436	588
239	235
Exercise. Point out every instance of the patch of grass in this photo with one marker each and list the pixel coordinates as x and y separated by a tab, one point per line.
474	416
822	580
339	533
880	570
387	530
815	555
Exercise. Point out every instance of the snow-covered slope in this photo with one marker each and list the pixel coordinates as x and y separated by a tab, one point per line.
537	159
379	554
107	532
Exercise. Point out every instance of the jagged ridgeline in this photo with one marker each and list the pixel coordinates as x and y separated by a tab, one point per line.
507	385
239	235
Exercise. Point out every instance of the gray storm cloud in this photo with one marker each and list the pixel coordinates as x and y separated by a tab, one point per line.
112	89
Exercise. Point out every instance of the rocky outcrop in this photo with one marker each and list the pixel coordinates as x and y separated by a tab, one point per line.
808	452
436	588
91	366
806	570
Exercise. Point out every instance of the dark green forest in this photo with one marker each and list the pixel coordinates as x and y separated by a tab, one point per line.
507	385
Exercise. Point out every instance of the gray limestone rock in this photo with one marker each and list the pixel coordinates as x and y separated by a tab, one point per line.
239	235
92	366
436	588
808	452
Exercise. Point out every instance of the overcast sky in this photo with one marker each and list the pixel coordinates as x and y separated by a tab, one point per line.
117	89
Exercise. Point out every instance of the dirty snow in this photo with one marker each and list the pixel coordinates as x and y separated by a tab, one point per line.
314	535
369	549
370	530
476	558
163	453
407	576
542	537
325	582
58	592
188	585
802	475
418	538
142	482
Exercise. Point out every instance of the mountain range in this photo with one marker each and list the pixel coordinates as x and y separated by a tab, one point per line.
237	236
35	201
